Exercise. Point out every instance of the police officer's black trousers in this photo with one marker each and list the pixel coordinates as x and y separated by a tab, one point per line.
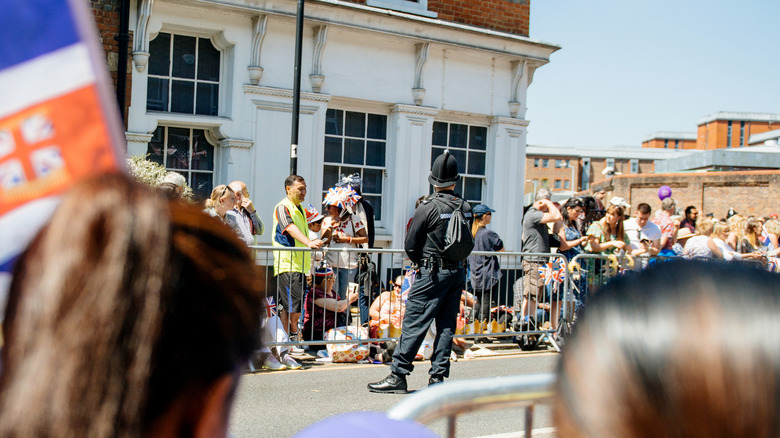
434	296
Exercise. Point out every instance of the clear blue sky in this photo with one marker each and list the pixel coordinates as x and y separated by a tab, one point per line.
628	68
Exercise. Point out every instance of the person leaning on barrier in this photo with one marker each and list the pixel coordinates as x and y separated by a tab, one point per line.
323	305
536	239
435	294
128	315
291	231
701	244
668	226
681	349
608	234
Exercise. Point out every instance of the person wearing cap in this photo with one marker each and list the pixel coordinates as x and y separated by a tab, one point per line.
435	294
314	219
244	217
291	231
323	305
485	270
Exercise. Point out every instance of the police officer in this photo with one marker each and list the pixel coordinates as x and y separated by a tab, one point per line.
435	294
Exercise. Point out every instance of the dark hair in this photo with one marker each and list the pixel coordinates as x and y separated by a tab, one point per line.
689	209
292	179
644	208
121	306
630	370
570	203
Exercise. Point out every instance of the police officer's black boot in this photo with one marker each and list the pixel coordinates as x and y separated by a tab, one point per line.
434	380
393	384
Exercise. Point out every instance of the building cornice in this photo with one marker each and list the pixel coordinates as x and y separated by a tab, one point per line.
138	137
500	120
414	110
281	92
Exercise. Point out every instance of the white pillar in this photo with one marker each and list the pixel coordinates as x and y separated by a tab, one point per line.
410	138
506	177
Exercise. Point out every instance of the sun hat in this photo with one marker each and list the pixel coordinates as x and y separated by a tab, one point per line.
312	215
620	202
684	233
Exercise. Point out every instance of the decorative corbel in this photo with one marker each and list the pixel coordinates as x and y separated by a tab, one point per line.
320	38
531	67
258	34
418	92
518	69
141	36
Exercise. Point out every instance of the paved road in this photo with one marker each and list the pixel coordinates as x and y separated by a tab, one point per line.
280	404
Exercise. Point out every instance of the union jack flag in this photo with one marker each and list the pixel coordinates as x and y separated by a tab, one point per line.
552	271
270	307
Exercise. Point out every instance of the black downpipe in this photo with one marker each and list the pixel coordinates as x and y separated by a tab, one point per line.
296	103
121	72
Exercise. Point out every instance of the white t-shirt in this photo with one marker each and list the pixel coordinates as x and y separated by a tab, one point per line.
728	253
635	234
350	227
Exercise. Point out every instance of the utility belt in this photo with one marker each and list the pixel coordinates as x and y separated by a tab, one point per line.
437	263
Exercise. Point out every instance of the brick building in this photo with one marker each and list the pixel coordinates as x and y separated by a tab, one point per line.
387	86
107	18
748	192
670	140
551	166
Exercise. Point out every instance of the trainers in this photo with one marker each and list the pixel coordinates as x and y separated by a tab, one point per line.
273	364
392	384
290	363
295	348
434	380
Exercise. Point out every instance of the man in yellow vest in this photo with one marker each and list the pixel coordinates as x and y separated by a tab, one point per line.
291	230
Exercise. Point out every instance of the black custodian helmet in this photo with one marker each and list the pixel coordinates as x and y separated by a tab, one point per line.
444	172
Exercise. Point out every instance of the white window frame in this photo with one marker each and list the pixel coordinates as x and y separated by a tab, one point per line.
418	7
611	163
634	166
208	136
385	208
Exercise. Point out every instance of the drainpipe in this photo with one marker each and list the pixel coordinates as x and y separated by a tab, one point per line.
123	38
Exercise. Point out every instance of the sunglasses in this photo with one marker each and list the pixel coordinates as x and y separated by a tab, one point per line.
396	285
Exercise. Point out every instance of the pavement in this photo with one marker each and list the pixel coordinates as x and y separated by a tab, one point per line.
282	403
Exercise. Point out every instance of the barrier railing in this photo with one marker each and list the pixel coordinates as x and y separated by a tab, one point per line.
452	399
361	283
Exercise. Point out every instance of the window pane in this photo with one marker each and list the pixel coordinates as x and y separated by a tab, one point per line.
377	127
183	57
157	94
435	152
355	124
333	122
354	150
439	134
375	153
458	187
376	202
178	148
202	151
332	150
478	137
372	181
208	61
460	156
182	96
202	184
350	170
208	99
476	163
160	55
458	136
473	189
155	149
330	177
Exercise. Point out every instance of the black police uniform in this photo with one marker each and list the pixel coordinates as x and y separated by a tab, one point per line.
435	294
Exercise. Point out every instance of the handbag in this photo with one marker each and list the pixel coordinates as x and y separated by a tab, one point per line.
347	352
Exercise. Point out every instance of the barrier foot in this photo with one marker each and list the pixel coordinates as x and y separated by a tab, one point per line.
251	366
553	342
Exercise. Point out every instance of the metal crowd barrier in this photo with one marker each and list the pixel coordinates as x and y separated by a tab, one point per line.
451	399
502	318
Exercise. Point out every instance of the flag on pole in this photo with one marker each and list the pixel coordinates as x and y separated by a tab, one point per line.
58	117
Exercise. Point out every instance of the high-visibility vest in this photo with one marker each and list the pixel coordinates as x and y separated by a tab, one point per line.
290	261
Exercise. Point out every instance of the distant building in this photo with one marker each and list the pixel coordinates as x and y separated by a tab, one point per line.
723	130
670	140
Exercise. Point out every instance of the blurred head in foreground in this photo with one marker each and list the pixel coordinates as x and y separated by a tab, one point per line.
682	349
128	315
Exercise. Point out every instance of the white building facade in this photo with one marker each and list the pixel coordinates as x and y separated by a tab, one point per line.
383	93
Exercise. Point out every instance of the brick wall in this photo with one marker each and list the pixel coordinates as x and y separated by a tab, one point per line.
749	193
106	14
511	16
714	135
